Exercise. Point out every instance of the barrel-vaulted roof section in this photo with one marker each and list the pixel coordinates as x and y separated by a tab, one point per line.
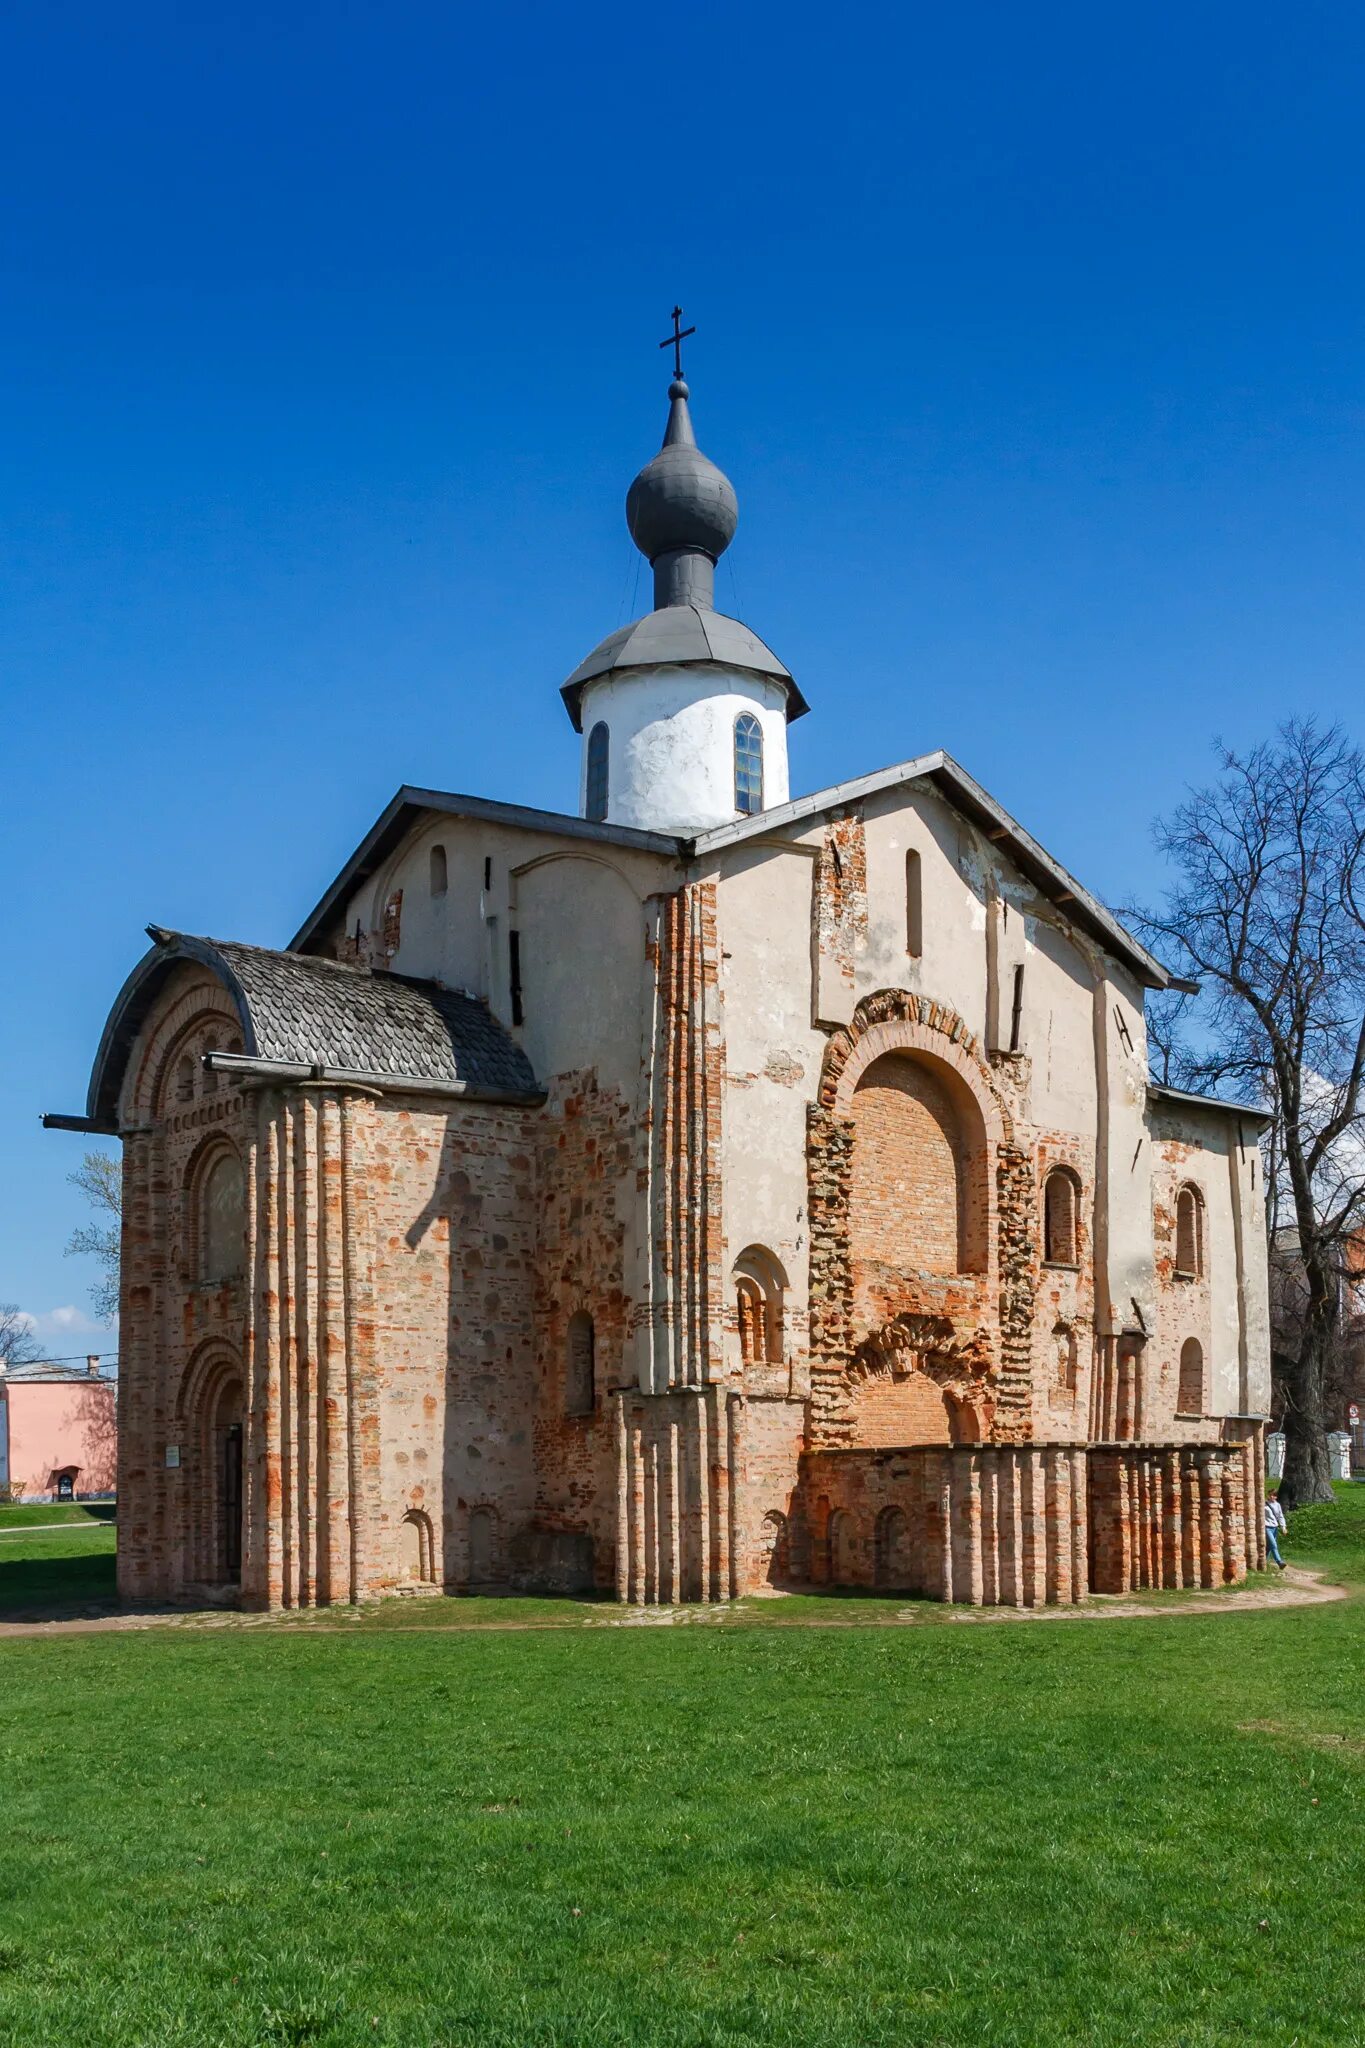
300	1013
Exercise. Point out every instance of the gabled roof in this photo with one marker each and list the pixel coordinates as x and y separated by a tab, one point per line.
953	782
299	1013
938	769
397	819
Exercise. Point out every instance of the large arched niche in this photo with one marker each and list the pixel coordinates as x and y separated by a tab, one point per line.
904	1143
917	1199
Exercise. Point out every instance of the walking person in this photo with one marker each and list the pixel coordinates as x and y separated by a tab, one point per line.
1274	1523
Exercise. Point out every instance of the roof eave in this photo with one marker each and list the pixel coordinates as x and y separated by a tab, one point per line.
572	691
1246	1112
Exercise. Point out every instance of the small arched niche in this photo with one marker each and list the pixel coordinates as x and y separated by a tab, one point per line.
760	1286
1061	1217
842	1539
416	1548
1189	1233
773	1535
1190	1392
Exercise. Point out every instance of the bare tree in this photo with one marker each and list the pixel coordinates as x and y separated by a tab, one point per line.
17	1341
100	1180
1267	914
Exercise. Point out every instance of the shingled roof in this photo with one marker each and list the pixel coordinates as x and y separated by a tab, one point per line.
299	1011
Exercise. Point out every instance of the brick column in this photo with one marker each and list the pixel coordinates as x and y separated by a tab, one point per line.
1173	1551
1080	1524
621	1442
1234	1522
1056	1481
1211	1514
739	1558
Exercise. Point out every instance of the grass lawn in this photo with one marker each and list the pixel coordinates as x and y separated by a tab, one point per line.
39	1513
55	1560
1145	1831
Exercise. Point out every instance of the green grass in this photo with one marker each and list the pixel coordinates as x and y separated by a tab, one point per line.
36	1513
1104	1833
56	1572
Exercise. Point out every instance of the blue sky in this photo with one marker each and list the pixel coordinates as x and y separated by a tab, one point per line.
1031	339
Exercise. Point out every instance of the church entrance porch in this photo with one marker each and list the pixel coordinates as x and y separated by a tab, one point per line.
1005	1525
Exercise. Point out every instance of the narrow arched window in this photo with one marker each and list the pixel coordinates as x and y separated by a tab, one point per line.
748	764
1059	1218
599	752
914	909
1189	1234
579	1365
1190	1397
439	872
222	1219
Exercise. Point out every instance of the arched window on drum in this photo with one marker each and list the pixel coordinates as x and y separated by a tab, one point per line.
748	764
599	763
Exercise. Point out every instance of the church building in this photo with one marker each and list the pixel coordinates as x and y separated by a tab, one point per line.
712	1190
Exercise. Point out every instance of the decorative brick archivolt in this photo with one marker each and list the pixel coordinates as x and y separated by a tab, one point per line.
989	1371
960	1364
198	1017
211	1369
895	1020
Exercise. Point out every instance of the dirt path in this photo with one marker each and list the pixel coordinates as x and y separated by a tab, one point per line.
1298	1588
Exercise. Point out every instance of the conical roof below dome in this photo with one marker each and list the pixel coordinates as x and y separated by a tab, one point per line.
681	635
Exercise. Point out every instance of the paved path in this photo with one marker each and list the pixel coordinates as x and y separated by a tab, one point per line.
1298	1588
67	1528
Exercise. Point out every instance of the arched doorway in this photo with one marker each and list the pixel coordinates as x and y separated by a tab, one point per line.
213	1427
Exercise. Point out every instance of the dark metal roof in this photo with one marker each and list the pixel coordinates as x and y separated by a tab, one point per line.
299	1009
681	634
1184	1098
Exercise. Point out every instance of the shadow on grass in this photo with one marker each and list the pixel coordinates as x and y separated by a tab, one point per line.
56	1588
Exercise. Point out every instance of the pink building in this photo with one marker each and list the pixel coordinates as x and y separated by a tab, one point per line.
58	1431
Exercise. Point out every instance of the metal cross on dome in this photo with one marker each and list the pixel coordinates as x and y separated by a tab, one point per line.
676	339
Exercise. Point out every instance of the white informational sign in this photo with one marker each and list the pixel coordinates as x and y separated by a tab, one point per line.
172	1457
1274	1454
